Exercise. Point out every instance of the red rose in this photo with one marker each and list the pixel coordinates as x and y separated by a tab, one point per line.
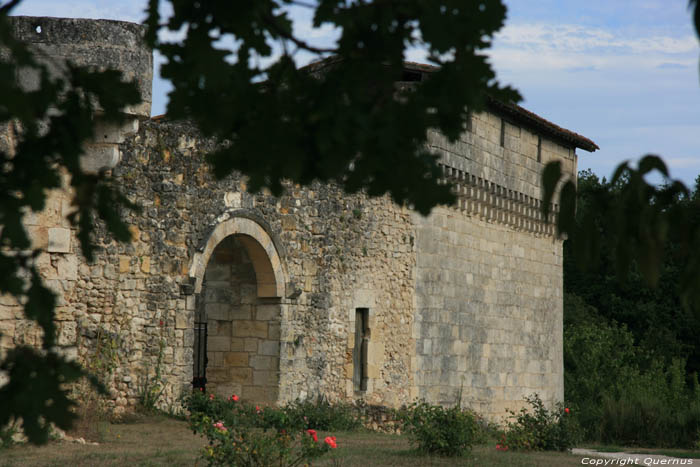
330	440
566	410
313	434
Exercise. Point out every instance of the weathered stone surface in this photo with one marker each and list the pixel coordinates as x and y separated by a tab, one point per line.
59	240
99	44
466	301
236	359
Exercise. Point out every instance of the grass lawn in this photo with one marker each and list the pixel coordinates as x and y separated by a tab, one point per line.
370	449
152	441
161	441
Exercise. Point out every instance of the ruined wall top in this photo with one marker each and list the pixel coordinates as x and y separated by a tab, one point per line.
103	44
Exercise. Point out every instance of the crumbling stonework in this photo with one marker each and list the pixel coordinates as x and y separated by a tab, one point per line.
464	303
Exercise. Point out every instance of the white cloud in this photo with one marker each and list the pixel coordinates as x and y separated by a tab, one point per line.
547	47
683	162
123	10
415	54
577	38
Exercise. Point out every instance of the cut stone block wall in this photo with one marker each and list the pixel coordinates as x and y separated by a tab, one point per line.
243	332
489	284
489	314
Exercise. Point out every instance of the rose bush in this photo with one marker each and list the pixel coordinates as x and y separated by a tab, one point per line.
248	435
438	430
540	429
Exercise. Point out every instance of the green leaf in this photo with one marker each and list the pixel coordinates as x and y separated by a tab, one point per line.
566	221
550	178
152	23
651	162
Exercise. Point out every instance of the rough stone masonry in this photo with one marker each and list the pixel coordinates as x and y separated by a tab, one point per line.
315	292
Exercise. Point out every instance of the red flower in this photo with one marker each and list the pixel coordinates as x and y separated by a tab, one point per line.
330	440
566	410
220	426
258	409
313	434
501	447
234	398
211	397
161	322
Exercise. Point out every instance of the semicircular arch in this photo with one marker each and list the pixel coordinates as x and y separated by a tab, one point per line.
261	249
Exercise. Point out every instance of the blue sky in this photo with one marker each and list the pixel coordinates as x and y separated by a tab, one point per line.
621	72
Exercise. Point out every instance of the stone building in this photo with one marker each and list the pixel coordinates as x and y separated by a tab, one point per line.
314	292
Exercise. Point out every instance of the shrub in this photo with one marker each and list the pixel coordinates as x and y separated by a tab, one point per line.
438	430
486	431
643	420
299	415
244	434
541	429
7	434
247	446
322	415
627	395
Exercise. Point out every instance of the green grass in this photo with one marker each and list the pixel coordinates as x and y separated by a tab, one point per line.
372	449
151	441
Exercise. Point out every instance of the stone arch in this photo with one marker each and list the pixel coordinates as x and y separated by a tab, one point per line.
239	284
261	248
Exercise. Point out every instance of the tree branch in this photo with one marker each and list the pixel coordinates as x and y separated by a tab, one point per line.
6	8
303	4
298	42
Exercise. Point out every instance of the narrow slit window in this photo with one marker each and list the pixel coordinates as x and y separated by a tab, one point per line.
503	133
360	350
539	149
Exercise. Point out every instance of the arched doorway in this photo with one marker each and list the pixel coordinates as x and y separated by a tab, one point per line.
239	283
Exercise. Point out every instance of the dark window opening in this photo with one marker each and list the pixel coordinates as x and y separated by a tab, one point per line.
359	358
468	126
503	133
539	149
409	75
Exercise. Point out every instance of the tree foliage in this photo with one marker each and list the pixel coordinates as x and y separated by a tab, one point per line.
637	220
655	316
350	123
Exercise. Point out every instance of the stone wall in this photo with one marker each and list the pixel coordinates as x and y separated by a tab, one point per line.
489	275
335	253
96	44
243	345
468	299
464	305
